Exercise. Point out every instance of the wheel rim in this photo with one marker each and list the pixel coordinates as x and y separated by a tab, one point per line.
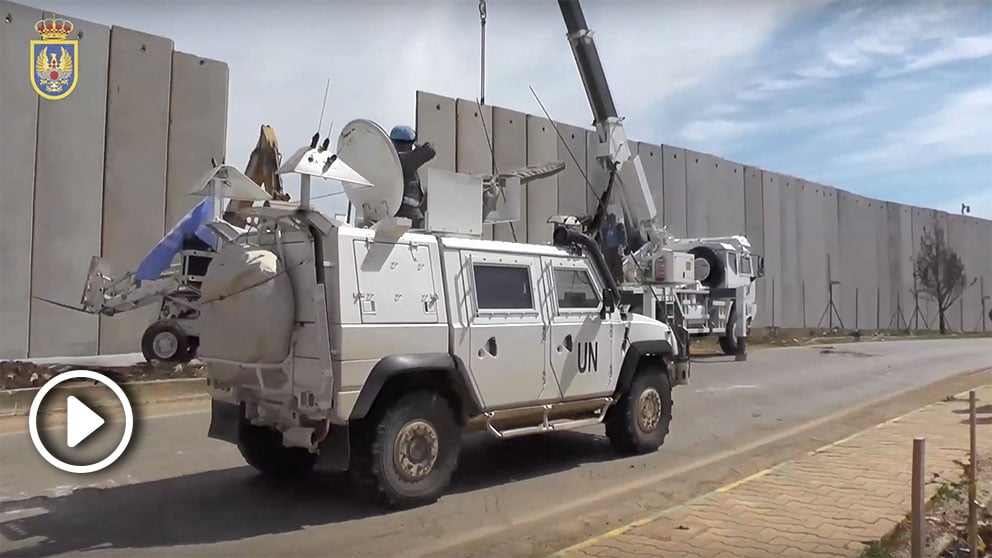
649	409
416	450
165	345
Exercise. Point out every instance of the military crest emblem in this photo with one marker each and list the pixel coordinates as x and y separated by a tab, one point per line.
54	59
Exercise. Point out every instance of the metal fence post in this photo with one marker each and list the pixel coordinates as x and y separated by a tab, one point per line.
917	523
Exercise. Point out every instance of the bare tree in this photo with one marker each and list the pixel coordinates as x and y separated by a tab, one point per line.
940	271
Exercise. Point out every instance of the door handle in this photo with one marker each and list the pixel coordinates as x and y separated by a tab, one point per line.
568	342
490	347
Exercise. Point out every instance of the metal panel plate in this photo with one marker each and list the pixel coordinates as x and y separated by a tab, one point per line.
474	133
68	206
383	298
674	195
198	128
509	131
542	195
19	121
135	168
572	187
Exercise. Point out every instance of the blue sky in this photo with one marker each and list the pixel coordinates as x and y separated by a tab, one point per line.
887	99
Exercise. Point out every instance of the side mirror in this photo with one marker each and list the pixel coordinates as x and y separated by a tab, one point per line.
609	303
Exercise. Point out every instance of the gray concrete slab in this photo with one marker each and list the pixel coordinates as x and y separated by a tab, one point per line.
474	128
68	208
19	122
510	145
957	240
674	195
651	160
754	230
599	177
886	281
900	241
980	231
813	242
700	190
436	124
726	206
206	501
791	310
771	207
542	195
572	185
198	128
137	143
858	259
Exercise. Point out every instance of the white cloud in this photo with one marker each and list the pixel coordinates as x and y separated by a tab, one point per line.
960	128
956	49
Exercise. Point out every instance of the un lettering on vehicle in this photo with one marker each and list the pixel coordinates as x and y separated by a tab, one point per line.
587	355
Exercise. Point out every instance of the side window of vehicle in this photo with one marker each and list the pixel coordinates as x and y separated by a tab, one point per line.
503	287
732	261
575	289
747	268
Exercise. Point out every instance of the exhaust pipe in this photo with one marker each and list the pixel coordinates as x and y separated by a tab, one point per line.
567	237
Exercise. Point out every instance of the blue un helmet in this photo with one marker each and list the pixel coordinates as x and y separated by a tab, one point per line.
403	133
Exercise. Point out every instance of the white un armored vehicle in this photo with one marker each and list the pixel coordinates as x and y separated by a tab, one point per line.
372	348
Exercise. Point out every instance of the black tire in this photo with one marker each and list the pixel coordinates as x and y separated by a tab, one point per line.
717	265
427	418
627	434
165	341
728	342
262	449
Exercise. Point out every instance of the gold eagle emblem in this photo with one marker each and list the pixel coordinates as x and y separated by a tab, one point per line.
53	72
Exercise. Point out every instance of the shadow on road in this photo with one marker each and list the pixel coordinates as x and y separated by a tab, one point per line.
233	504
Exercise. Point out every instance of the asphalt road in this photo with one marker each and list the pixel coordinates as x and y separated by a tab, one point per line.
177	493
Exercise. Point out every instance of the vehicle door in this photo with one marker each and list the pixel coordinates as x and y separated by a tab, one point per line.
507	329
581	342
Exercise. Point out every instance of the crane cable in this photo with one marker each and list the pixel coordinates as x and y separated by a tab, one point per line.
482	78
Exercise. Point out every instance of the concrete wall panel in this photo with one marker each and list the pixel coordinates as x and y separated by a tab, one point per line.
436	124
572	186
651	160
859	267
754	228
887	281
510	146
135	168
981	233
197	130
922	219
900	242
542	195
771	206
68	207
674	177
472	153
726	203
700	190
791	310
817	232
19	122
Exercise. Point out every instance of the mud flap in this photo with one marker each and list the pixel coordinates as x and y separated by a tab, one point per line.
335	450
225	419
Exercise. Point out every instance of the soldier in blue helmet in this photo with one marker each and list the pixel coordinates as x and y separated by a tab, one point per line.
412	157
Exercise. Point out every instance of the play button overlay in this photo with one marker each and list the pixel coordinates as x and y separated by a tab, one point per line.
86	431
81	421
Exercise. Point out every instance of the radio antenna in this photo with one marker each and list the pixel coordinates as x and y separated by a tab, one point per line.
323	106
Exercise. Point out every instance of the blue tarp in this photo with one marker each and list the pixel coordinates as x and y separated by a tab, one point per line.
192	224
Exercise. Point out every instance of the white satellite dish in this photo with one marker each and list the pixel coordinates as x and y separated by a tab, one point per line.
367	149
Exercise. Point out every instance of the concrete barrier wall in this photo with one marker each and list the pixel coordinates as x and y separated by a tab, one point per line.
98	173
810	234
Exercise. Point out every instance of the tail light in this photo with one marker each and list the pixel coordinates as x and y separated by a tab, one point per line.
659	269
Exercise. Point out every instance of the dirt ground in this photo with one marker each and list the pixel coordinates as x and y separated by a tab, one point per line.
16	374
947	522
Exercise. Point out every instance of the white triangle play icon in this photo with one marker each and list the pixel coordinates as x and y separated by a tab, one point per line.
81	421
